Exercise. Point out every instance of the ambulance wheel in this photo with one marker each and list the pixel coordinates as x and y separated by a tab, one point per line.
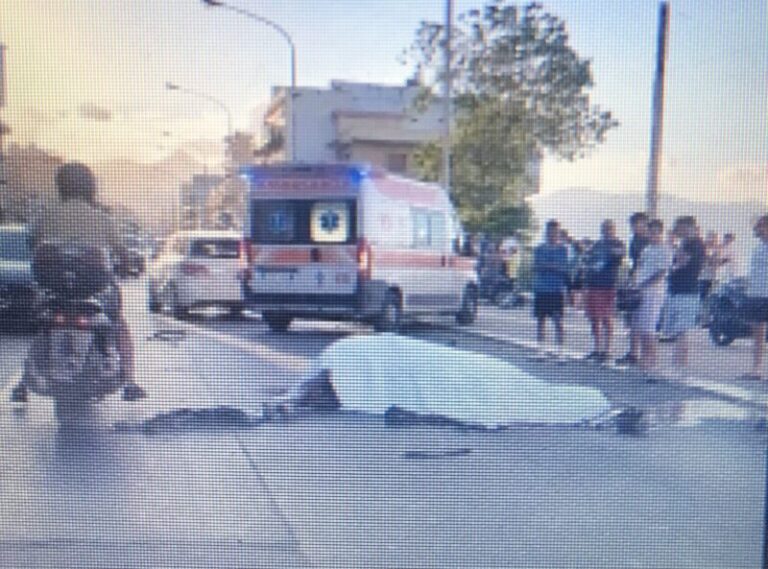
391	314
467	314
277	321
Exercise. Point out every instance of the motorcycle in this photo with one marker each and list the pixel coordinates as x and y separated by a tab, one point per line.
74	357
495	286
726	318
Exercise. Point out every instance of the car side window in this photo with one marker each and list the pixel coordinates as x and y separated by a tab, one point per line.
437	231
429	230
420	229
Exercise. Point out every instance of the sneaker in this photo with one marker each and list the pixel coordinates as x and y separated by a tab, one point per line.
133	392
627	360
592	356
20	394
540	356
560	358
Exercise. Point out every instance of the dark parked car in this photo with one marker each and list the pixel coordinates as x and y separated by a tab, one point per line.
18	292
132	262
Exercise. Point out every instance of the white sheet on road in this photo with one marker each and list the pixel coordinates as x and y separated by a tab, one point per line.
373	373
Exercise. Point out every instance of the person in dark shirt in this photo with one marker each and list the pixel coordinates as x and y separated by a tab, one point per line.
550	281
603	263
638	223
682	306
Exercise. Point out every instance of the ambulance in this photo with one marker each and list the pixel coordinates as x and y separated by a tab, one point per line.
352	242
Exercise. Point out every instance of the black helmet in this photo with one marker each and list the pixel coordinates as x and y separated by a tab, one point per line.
76	181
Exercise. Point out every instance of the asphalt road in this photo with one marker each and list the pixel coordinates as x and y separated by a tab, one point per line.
147	485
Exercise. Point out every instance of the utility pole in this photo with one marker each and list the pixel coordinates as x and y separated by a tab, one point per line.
3	129
447	102
652	189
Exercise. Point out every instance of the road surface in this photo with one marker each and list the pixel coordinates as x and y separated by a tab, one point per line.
146	485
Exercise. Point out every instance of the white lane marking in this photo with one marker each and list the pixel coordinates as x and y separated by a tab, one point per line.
280	359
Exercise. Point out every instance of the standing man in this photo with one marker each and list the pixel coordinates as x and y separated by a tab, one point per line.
683	287
756	307
603	263
728	269
550	281
638	223
649	278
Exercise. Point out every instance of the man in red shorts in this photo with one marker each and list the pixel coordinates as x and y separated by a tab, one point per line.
603	263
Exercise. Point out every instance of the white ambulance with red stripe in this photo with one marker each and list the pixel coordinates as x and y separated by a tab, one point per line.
348	242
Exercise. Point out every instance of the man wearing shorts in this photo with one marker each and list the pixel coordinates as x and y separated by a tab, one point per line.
756	306
649	277
638	223
682	306
550	281
603	263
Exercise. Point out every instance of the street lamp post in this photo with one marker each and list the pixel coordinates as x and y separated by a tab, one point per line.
223	107
287	37
214	100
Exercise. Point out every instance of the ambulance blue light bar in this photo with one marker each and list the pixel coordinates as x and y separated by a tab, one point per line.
262	177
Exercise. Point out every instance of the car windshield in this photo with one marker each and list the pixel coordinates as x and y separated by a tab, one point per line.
14	246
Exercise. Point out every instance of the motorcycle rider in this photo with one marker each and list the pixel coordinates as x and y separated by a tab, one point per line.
77	218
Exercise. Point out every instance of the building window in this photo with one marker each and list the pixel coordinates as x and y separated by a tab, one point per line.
397	162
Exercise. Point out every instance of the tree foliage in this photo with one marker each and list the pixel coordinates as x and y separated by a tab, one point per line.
519	89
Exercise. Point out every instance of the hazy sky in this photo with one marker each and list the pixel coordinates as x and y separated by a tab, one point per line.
86	78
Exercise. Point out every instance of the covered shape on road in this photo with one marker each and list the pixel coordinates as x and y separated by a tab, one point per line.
374	373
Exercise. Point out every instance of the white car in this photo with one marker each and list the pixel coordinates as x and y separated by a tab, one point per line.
196	269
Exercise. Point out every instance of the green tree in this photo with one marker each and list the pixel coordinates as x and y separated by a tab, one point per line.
520	90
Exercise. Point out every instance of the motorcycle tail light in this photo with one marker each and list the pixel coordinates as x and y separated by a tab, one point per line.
83	322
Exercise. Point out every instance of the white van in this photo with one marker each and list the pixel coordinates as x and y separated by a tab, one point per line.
347	242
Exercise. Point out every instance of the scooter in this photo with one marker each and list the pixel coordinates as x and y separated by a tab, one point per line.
74	357
497	288
726	313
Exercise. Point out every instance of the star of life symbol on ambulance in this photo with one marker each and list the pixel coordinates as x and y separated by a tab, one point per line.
329	221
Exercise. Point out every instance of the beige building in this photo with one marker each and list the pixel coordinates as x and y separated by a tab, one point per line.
350	122
357	122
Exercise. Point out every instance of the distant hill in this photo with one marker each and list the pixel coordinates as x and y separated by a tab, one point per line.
148	189
580	210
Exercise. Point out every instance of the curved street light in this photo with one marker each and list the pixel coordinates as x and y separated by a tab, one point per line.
214	100
287	37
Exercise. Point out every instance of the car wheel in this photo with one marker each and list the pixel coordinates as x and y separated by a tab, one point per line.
179	311
277	321
391	314
152	303
467	314
171	302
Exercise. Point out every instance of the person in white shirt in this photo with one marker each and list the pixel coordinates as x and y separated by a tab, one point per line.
728	269
756	305
650	278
